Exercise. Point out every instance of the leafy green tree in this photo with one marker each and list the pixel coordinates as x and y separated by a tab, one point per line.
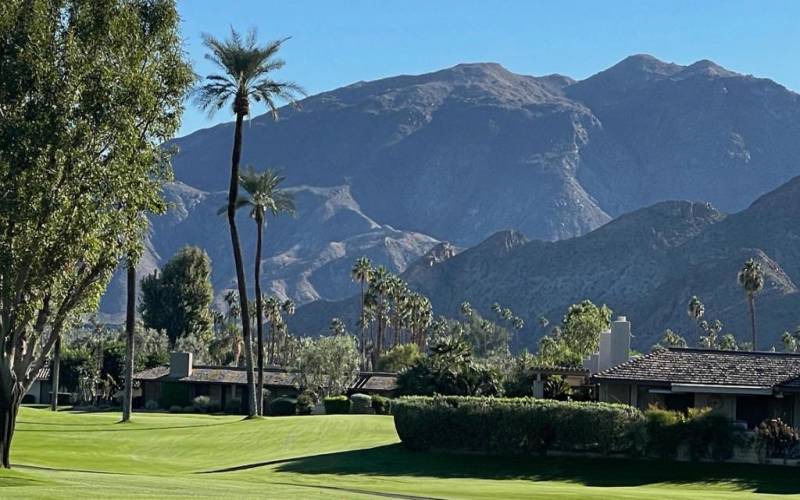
247	70
577	337
399	358
88	93
178	299
671	339
696	310
337	327
751	279
263	197
328	364
791	340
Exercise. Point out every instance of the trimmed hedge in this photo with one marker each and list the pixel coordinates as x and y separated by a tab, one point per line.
381	405
516	426
336	405
360	403
283	406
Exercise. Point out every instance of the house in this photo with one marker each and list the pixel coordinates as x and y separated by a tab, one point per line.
180	382
374	383
41	389
748	387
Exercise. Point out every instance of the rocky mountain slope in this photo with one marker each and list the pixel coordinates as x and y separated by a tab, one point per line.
390	167
646	265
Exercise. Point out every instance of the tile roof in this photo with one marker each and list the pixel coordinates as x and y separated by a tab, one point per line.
709	367
219	375
374	382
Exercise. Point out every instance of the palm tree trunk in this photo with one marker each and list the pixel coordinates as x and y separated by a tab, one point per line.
751	300
56	375
233	193
130	317
259	319
362	334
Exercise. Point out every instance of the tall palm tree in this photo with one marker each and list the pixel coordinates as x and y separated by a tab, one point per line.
696	309
751	279
262	197
246	73
362	273
378	290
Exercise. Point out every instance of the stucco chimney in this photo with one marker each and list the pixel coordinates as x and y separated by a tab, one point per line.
620	341
180	364
604	351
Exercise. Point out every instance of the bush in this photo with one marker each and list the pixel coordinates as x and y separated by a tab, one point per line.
336	405
283	406
306	402
664	432
176	409
710	434
516	426
360	403
381	405
233	406
777	439
151	405
201	404
189	409
28	399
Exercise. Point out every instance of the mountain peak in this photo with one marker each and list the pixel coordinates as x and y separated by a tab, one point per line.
706	68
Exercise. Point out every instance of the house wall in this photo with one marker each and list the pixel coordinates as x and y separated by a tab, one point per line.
725	403
618	393
35	391
797	411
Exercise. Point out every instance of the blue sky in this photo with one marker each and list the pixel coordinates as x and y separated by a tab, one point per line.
338	42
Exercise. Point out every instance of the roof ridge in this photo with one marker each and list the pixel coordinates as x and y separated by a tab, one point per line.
728	351
651	354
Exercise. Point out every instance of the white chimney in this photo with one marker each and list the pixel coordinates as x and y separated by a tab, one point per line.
180	364
604	354
620	341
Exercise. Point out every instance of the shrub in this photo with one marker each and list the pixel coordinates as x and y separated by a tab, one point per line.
28	399
777	439
151	405
189	409
399	357
360	403
283	406
710	434
175	409
381	405
664	432
233	406
515	426
201	404
306	402
336	405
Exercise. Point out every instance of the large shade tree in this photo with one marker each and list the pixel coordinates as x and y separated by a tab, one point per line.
247	70
263	197
88	92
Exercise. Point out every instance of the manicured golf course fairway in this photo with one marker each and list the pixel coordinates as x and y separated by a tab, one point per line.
89	455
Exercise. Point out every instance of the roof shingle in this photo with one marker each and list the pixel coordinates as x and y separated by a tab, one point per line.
709	367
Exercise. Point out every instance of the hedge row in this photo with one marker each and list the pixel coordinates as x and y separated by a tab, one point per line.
516	426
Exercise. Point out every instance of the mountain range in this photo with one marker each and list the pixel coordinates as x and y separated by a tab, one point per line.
391	168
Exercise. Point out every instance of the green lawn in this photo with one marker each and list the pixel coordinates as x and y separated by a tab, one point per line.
90	455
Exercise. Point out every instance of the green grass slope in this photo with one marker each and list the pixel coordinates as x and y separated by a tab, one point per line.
89	455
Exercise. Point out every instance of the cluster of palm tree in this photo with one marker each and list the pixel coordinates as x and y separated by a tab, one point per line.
246	74
391	314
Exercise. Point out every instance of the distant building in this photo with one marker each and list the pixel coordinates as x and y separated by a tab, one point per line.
749	387
180	382
41	390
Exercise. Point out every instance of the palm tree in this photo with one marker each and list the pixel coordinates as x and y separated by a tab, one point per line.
247	69
263	197
362	273
696	309
751	279
378	290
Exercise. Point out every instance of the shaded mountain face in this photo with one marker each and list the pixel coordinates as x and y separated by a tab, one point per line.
306	258
465	152
391	167
645	265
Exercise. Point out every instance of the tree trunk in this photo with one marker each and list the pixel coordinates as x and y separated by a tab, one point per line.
10	399
55	375
259	319
130	325
362	333
233	193
751	300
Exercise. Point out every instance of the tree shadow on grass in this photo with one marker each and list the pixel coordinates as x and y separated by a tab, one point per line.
116	428
394	460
